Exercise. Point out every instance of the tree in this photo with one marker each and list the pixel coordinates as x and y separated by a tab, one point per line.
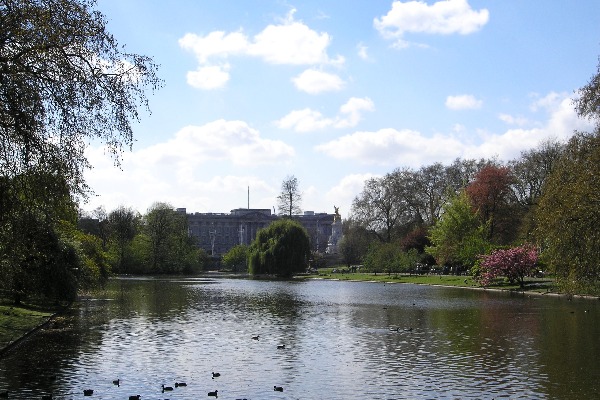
569	211
290	198
170	244
588	103
282	248
459	236
236	258
355	242
379	207
37	256
123	225
64	82
389	258
531	171
515	264
490	194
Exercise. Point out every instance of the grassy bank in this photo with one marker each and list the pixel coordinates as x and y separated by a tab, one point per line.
531	284
17	321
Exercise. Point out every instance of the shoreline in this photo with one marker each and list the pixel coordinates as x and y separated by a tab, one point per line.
479	288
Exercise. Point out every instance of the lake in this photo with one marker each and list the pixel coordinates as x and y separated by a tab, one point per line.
342	340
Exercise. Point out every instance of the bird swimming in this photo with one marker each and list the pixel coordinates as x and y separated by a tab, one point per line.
278	388
215	375
166	388
88	392
180	384
214	394
281	346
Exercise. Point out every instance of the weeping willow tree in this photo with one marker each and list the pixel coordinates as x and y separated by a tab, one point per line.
64	82
282	249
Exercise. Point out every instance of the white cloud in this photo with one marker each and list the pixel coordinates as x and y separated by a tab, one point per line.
391	147
547	102
289	43
314	82
207	78
292	44
307	120
175	169
512	120
215	44
352	111
463	102
443	17
362	51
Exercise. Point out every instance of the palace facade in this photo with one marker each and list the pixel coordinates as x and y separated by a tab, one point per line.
217	233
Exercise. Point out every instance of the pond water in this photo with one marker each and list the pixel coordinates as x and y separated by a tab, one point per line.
343	340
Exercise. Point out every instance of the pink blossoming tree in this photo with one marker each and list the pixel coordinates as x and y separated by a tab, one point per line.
515	264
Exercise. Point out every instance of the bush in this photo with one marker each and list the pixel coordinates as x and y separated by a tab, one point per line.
515	264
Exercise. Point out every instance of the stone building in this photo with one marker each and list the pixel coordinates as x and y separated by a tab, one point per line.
217	233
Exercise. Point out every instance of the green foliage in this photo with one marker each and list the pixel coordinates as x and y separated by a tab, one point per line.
569	212
236	258
64	82
37	255
282	248
123	225
458	237
389	258
355	243
171	248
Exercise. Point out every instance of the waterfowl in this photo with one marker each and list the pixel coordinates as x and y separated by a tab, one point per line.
281	346
180	384
255	337
166	388
117	382
214	394
216	375
47	397
136	397
278	388
88	392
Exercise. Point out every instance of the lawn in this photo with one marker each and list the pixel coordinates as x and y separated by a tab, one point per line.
531	284
15	321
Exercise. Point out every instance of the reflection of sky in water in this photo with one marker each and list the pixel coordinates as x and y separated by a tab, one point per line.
342	340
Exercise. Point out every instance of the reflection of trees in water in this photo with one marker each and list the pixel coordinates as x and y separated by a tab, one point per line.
493	344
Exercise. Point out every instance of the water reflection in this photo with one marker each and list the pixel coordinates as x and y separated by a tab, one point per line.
342	340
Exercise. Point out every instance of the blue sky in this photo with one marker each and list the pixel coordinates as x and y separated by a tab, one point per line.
337	92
